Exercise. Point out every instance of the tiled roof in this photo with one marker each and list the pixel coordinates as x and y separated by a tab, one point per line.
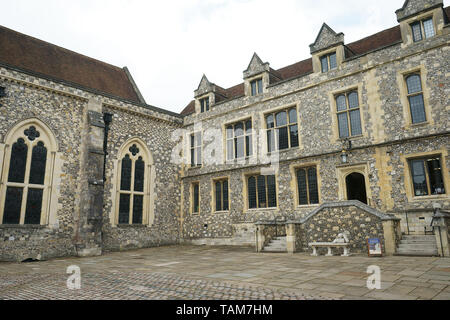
42	58
376	41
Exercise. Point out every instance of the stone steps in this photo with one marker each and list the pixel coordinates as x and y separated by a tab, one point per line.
276	245
417	245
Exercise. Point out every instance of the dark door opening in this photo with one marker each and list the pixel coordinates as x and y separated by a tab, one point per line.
356	187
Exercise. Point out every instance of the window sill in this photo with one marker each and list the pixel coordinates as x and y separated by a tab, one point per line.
358	137
262	209
283	151
308	206
433	197
221	212
418	125
22	226
130	226
237	160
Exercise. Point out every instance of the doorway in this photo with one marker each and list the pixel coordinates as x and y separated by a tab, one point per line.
356	187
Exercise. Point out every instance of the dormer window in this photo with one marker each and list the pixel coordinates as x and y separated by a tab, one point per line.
257	86
328	62
204	104
423	29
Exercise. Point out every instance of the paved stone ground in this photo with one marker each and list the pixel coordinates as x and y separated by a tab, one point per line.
202	273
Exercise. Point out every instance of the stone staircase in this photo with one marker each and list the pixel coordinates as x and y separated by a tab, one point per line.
418	245
276	245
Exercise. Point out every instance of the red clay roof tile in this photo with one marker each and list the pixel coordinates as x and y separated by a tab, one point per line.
37	56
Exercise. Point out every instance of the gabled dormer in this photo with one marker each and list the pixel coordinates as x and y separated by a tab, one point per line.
327	51
420	20
207	94
258	76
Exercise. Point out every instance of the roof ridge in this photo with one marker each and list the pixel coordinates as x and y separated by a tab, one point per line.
62	48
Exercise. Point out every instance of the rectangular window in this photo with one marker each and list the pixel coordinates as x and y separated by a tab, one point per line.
262	192
427	176
282	130
308	191
328	62
195	197
415	98
196	149
239	140
423	29
221	194
204	105
257	87
348	114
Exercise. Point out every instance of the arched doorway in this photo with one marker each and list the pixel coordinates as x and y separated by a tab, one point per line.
356	187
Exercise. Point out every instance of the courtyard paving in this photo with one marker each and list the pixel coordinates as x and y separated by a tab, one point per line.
221	273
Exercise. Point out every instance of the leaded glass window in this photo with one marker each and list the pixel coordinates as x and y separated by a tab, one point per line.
427	176
308	192
27	178
262	192
196	149
221	195
132	185
282	130
204	105
239	140
415	98
348	114
196	197
423	29
328	62
256	87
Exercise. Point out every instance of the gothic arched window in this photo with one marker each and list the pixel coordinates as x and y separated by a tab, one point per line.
133	188
27	174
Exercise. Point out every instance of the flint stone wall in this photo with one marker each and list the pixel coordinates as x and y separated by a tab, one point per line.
64	116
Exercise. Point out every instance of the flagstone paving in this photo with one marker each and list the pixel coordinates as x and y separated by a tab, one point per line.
202	272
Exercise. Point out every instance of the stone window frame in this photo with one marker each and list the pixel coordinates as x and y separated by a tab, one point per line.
358	87
190	147
148	215
327	56
225	139
409	188
401	80
422	28
259	86
264	141
248	84
244	177
207	106
213	194
347	112
191	192
340	58
210	96
435	14
342	171
52	170
293	168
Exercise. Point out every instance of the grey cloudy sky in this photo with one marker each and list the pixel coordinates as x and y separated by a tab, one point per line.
168	45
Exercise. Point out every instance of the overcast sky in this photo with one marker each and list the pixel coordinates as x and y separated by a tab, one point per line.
168	45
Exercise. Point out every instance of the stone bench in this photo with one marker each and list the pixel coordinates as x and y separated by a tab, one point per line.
330	245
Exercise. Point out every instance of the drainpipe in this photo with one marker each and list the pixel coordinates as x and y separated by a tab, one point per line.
107	118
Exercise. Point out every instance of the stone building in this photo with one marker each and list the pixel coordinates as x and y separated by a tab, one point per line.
355	138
